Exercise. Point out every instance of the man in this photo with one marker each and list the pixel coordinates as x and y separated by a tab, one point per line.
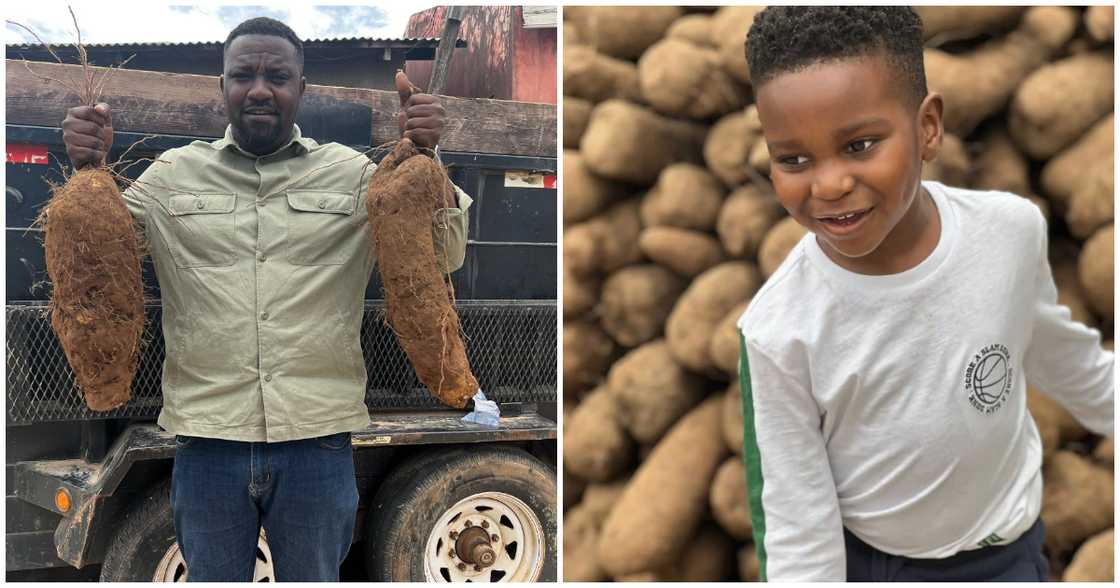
260	244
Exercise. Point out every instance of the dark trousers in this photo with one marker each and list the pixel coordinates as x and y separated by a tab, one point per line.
1021	560
303	493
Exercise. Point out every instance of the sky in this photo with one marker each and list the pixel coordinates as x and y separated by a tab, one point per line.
176	22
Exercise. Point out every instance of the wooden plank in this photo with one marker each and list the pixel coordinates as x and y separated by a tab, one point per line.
186	104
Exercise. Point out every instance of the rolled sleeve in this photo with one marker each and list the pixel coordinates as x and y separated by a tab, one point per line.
449	231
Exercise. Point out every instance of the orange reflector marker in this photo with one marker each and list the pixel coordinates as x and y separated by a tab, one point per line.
62	500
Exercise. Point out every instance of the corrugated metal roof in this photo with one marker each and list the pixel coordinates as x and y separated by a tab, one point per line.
413	41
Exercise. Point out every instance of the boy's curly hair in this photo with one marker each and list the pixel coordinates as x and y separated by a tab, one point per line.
785	39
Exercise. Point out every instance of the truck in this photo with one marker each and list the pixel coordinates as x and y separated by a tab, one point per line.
440	499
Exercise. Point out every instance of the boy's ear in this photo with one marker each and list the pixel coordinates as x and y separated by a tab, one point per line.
929	123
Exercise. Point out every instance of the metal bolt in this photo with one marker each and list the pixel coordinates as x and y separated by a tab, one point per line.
451	553
478	568
485	524
467	524
494	538
462	566
454	534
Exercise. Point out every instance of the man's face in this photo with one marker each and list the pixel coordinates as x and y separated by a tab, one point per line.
846	153
262	84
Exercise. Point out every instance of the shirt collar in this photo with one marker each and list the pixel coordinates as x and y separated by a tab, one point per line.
302	144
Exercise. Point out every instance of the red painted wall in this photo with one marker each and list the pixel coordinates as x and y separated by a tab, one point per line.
502	60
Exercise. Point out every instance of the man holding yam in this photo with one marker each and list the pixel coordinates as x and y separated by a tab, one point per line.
260	243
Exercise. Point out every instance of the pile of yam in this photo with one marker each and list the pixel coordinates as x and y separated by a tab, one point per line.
671	227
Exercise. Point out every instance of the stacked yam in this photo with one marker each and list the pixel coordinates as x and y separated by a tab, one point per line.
672	226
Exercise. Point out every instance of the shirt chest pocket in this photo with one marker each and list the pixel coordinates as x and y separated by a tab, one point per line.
202	230
320	227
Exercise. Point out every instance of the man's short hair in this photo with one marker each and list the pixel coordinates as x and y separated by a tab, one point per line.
263	25
786	39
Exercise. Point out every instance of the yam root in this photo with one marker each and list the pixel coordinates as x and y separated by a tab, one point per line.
596	447
685	196
636	301
577	112
679	78
941	24
1060	101
1092	204
1063	174
1046	411
703	305
727	150
1000	165
625	32
661	509
581	293
778	243
688	253
694	28
588	352
1095	270
747	215
586	194
1077	501
605	242
595	77
1099	22
404	194
729	499
730	25
652	390
1094	561
629	143
724	347
581	542
1104	451
951	165
708	557
97	301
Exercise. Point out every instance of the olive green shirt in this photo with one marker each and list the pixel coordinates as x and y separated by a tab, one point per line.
263	264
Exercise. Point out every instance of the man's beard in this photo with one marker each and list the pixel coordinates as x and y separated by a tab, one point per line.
260	139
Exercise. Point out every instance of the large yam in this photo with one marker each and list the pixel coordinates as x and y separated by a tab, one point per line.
1095	269
593	76
629	143
729	499
636	301
733	419
1093	203
624	31
596	447
581	541
941	24
97	298
652	390
778	243
587	354
405	192
1062	175
1077	501
679	78
585	194
577	112
728	147
747	215
660	508
724	347
685	196
1058	103
688	253
1094	561
699	310
604	242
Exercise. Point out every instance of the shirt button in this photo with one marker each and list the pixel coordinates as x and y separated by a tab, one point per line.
200	205
262	257
260	203
268	377
264	316
322	203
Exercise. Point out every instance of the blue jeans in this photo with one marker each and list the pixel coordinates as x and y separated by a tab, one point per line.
303	492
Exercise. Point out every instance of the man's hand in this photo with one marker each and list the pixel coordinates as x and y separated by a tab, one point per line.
87	132
421	117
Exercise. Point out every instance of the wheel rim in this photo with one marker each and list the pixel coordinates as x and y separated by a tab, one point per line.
173	568
518	550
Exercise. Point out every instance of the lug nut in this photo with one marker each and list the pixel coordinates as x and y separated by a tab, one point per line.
485	524
467	525
451	553
462	566
454	534
478	568
494	538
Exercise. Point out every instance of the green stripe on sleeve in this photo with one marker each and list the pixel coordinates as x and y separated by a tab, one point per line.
752	459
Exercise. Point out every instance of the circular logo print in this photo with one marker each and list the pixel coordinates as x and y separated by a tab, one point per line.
988	378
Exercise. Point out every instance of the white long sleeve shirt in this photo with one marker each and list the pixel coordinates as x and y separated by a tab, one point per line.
895	406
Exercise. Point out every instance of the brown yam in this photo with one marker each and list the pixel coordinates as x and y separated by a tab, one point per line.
581	293
1063	174
596	447
749	567
97	299
601	497
1054	419
941	24
679	78
581	543
747	215
727	150
652	390
685	196
1060	101
636	301
605	242
661	509
778	243
703	305
724	347
1104	451
404	194
694	28
586	194
1077	501
577	112
625	31
759	159
730	25
1095	270
1099	22
733	418
1000	165
1093	202
1095	560
593	76
729	499
688	253
573	485
707	557
629	143
587	355
951	166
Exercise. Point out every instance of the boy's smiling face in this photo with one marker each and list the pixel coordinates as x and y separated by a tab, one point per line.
846	151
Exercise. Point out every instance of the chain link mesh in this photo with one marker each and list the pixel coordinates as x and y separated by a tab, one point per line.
511	346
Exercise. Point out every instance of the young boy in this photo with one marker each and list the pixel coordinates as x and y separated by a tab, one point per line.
884	365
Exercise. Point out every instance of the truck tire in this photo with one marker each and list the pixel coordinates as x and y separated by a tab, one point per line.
496	505
144	548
